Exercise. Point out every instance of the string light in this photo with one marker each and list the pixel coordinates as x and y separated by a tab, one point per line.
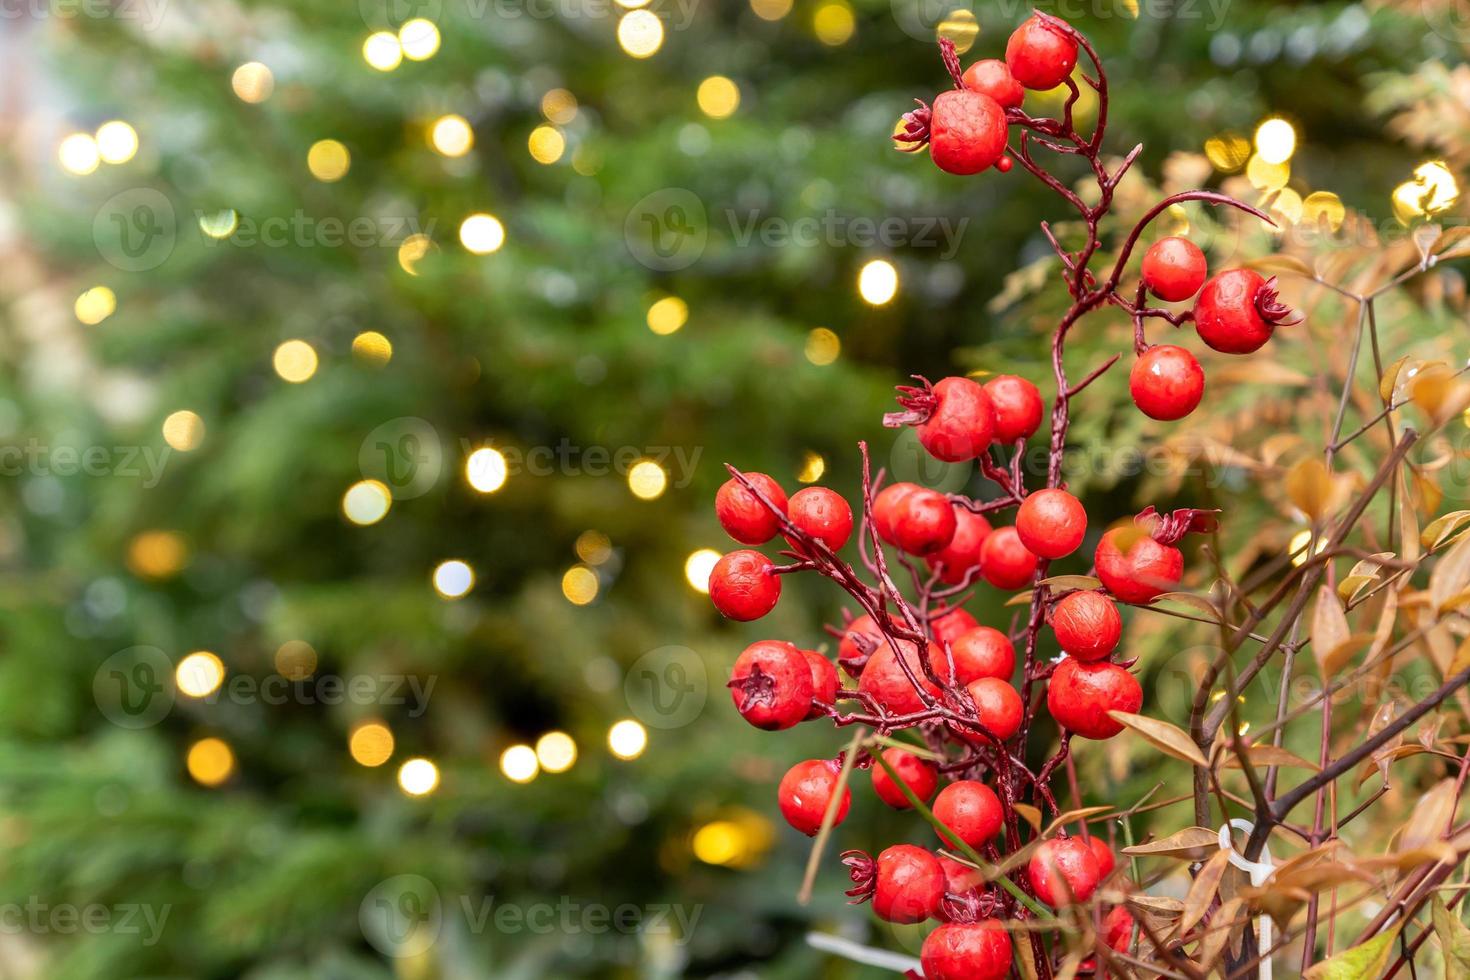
1275	140
95	305
199	674
453	579
371	744
718	97
822	346
878	282
372	348
697	569
366	502
579	585
117	142
295	361
481	233
419	39
183	430
640	33
627	739
253	82
382	51
647	480
485	470
328	160
211	762
546	144
519	763
418	777
451	135
78	154
668	315
556	752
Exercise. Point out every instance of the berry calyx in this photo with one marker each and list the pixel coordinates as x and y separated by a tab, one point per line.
1051	523
991	77
1063	871
948	625
923	522
822	514
1174	269
1238	310
918	775
1106	861
806	791
1166	383
983	652
1018	407
1080	695
997	706
905	884
884	680
954	418
743	585
824	683
771	685
967	951
741	512
1136	568
1040	53
956	560
970	811
1087	625
1005	562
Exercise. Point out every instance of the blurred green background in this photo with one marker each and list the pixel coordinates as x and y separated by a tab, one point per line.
307	476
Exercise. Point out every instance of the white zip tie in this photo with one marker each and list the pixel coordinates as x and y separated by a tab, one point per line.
1258	871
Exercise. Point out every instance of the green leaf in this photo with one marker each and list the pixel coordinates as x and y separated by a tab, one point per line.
1363	962
1454	940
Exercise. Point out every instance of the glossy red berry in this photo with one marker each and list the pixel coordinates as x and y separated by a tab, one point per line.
948	625
1087	625
963	551
983	652
967	951
918	775
743	586
1063	871
1041	55
824	682
886	508
822	514
741	512
1166	383
771	685
959	879
1080	695
991	77
806	791
1136	568
1174	269
884	680
970	810
908	884
1018	407
923	523
1238	310
954	418
967	132
997	706
1051	523
1106	861
1005	562
1117	926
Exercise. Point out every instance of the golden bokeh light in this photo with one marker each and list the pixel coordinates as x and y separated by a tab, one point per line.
556	751
546	144
117	142
157	554
419	39
1228	152
183	430
960	27
296	660
199	674
627	739
412	251
295	361
371	744
1275	140
95	305
697	568
451	135
453	579
328	160
372	348
668	315
640	33
878	282
718	97
78	154
519	763
834	22
593	547
481	233
486	470
1267	176
822	346
366	502
771	9
579	585
253	82
647	480
219	224
418	777
1324	206
1432	191
720	842
211	762
559	106
812	468
1287	204
382	51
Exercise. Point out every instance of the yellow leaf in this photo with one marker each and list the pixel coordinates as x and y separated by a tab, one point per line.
1163	736
1390	379
1451	574
1365	962
1193	843
1454	940
1267	755
1062	583
1442	528
1202	890
1309	486
1329	628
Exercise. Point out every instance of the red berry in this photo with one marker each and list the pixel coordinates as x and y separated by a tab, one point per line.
963	551
924	522
1237	311
1136	568
967	132
1117	926
743	587
1174	269
1166	383
824	682
886	508
948	625
1051	523
1106	862
910	884
1005	165
1080	695
805	792
991	77
1040	55
1062	871
741	513
983	652
967	951
970	810
1005	562
859	640
959	879
1018	407
997	706
884	680
771	685
822	514
917	774
1087	625
954	418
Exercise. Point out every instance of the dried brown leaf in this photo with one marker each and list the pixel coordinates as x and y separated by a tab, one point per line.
1163	736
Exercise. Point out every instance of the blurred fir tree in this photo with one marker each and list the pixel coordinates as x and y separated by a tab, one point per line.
669	253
